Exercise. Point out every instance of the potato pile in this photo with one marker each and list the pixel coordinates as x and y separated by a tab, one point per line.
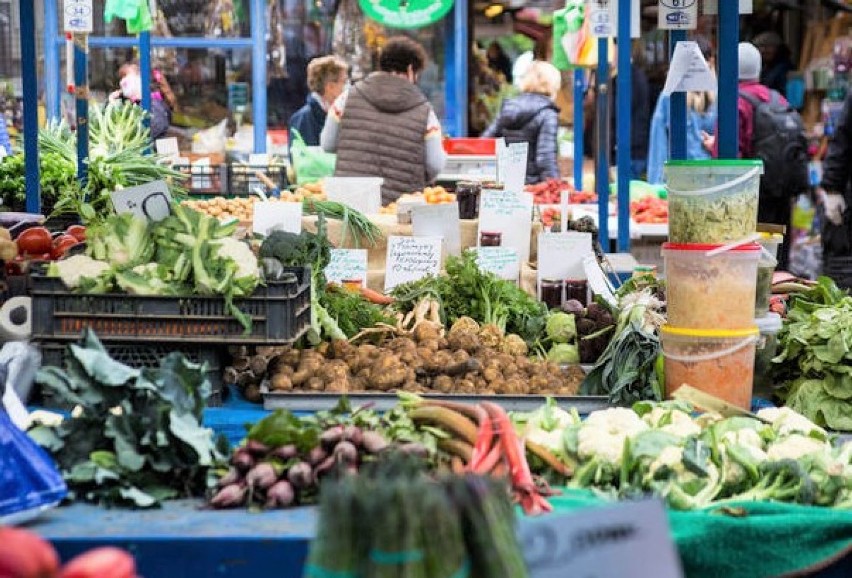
469	359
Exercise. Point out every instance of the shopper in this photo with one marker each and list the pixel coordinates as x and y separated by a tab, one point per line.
384	126
130	89
327	78
532	117
773	134
775	61
701	112
5	142
499	61
835	194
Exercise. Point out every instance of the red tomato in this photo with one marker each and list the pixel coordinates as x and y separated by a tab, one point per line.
77	231
35	241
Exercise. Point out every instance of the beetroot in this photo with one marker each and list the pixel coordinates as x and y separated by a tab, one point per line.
280	495
316	456
232	477
373	442
300	475
331	437
353	434
414	449
256	449
324	468
262	476
284	453
346	452
106	562
229	497
242	460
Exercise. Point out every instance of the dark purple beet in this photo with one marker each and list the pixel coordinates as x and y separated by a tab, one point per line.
284	453
300	475
373	442
280	495
262	476
574	307
346	452
353	434
331	437
256	449
317	455
242	460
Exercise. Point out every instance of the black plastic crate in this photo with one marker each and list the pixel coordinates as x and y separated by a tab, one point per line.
243	177
280	314
204	179
145	355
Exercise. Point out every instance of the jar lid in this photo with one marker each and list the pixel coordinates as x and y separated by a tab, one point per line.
491	233
702	247
711	333
771	323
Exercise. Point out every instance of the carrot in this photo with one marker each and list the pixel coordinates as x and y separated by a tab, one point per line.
376	297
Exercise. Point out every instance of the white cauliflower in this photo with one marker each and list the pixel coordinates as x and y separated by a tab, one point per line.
670	457
604	432
796	446
617	420
681	425
785	421
744	437
78	267
241	254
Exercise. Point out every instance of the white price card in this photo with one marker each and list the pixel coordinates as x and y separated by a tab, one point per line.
277	215
512	165
151	201
259	160
612	541
363	194
510	214
502	261
689	71
78	16
438	221
167	147
677	14
635	17
560	255
603	18
411	258
347	265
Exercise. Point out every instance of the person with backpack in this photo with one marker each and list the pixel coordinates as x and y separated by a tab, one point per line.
772	131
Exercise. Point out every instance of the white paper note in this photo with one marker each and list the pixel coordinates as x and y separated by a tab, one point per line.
510	214
688	71
272	215
438	221
560	255
411	258
151	201
364	194
512	165
167	147
347	265
502	261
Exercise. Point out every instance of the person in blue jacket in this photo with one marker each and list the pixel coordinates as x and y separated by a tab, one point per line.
327	78
700	120
5	143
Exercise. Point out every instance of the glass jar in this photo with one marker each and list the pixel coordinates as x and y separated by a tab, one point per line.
467	195
577	289
551	293
490	239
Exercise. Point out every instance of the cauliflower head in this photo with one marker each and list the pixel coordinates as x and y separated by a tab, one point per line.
795	447
786	421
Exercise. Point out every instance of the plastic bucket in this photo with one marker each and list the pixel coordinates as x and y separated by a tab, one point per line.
712	201
765	268
710	293
767	347
720	363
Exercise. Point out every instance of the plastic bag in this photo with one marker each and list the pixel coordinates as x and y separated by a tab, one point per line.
310	163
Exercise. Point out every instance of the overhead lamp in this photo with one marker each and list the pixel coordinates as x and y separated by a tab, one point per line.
494	10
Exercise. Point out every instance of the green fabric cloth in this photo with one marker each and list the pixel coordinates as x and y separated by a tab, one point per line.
135	12
770	540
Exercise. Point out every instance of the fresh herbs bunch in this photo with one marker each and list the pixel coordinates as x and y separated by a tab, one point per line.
135	438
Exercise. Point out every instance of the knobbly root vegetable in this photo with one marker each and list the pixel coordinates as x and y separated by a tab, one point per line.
280	495
25	554
106	562
284	453
346	452
452	421
300	475
373	442
231	496
262	476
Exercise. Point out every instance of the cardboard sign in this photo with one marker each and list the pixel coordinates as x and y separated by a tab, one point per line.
272	215
510	214
438	221
77	16
560	255
347	265
512	165
363	194
151	201
689	71
621	535
502	261
411	258
677	14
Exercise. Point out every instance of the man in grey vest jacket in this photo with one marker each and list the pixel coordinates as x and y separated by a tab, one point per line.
384	126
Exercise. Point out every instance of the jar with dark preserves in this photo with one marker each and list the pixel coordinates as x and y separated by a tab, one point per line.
577	289
490	239
467	195
551	293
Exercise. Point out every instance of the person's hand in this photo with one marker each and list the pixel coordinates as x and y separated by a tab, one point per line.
708	141
834	205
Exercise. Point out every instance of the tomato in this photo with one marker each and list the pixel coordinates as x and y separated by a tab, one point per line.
77	231
35	241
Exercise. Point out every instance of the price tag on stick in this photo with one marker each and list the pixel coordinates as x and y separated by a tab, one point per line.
411	258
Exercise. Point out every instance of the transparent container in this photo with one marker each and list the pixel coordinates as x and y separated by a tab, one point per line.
712	201
766	349
765	268
715	292
720	363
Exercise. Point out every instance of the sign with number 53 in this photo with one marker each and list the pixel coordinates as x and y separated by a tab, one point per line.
677	14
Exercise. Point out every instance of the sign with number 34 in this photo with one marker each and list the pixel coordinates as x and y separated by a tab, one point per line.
677	14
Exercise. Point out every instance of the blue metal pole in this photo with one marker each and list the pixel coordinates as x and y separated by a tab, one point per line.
30	87
460	51
159	42
624	118
729	34
52	86
677	110
579	93
145	68
258	73
602	160
81	94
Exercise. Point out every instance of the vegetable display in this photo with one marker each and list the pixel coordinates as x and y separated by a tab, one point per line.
696	463
814	366
135	436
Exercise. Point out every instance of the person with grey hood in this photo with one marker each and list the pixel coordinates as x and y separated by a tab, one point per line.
532	117
384	126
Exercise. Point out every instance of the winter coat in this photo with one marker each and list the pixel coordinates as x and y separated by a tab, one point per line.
534	119
309	121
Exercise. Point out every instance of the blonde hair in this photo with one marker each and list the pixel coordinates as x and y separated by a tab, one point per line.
323	70
542	78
